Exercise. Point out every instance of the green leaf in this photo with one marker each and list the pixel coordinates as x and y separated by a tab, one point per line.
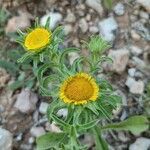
50	140
135	124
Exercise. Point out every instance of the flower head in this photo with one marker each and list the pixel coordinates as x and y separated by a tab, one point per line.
79	89
37	39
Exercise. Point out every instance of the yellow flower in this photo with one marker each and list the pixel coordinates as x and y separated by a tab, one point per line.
79	89
37	39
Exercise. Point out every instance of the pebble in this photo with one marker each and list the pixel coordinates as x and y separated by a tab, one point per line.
52	127
93	29
119	9
145	4
37	131
55	18
141	143
43	107
144	15
120	59
131	72
26	101
68	29
83	25
4	77
70	17
135	35
31	140
136	50
107	27
62	112
5	139
138	62
96	5
72	57
135	87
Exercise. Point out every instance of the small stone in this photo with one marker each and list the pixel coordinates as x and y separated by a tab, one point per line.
88	141
136	50
43	107
141	143
120	60
135	35
83	25
131	72
4	77
52	127
119	9
26	101
18	22
96	5
145	4
135	87
93	29
107	27
144	15
70	17
5	139
72	57
62	112
31	140
37	131
138	62
68	29
55	18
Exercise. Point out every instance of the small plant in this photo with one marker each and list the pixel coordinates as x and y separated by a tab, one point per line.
87	98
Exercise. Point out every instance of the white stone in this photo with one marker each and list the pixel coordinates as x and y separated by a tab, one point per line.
68	29
55	18
96	5
144	15
135	35
138	62
70	17
83	25
5	139
72	57
119	9
93	29
135	87
52	127
37	131
26	101
140	144
120	59
145	4
131	72
62	112
31	140
136	50
43	107
107	27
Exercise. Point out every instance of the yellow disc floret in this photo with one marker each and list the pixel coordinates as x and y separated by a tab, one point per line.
79	89
37	39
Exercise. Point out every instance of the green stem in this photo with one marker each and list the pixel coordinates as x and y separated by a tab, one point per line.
99	141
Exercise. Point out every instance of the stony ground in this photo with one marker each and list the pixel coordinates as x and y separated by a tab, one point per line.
126	26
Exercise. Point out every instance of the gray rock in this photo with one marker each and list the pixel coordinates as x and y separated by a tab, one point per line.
43	107
145	4
107	27
83	25
131	72
135	35
70	17
68	29
120	59
136	50
72	57
37	131
140	144
93	29
62	112
26	101
5	139
55	18
135	87
52	127
119	9
138	62
96	5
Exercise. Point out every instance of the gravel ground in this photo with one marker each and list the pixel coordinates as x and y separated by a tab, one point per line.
126	26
